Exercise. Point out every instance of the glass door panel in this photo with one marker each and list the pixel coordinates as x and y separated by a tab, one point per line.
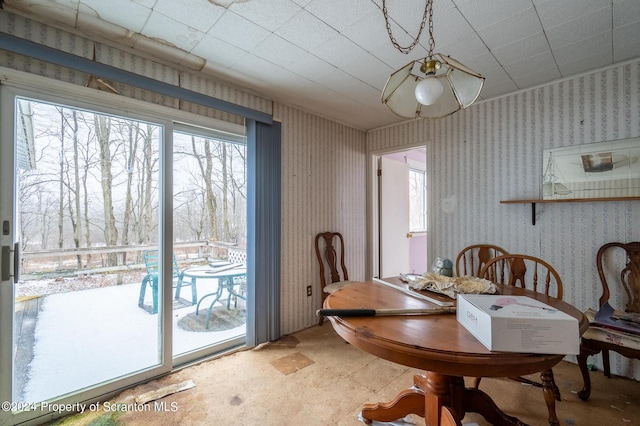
87	200
209	228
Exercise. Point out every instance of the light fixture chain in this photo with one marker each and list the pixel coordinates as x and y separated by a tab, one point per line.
432	42
428	12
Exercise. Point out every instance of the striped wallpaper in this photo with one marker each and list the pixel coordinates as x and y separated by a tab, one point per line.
493	151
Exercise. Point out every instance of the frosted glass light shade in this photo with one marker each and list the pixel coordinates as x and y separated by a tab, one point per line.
428	91
461	87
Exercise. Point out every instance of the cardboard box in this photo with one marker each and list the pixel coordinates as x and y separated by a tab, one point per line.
518	324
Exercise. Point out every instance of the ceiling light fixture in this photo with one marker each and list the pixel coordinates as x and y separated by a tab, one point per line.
432	87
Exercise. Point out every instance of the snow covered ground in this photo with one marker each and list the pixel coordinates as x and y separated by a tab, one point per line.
84	337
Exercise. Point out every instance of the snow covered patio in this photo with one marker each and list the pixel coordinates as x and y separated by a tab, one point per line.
69	340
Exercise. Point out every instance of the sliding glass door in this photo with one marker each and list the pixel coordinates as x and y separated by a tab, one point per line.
122	249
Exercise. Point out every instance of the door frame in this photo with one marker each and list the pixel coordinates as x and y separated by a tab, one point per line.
373	237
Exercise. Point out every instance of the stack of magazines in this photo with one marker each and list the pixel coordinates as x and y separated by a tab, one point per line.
617	326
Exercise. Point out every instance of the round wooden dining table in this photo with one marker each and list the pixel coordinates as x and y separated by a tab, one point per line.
440	346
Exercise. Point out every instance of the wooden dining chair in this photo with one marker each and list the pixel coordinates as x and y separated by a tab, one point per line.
535	274
333	272
470	262
472	259
618	264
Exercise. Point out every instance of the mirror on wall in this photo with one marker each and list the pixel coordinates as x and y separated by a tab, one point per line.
597	170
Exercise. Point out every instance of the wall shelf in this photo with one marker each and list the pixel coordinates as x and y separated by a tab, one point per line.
533	202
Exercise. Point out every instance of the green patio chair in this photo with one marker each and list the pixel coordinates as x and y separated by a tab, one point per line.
151	279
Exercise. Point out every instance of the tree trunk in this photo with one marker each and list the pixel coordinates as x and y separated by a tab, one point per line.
61	190
147	208
110	231
225	194
210	198
77	223
131	153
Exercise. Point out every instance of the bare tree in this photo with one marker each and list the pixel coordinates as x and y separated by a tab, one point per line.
205	163
147	186
102	128
61	187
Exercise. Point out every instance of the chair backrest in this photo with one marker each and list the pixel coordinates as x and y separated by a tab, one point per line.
629	267
472	259
524	271
151	263
330	248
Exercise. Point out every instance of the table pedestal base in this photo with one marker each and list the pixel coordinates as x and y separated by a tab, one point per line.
429	394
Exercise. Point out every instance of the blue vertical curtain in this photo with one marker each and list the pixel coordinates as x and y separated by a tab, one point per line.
263	229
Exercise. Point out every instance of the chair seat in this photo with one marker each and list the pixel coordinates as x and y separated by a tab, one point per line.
610	336
330	288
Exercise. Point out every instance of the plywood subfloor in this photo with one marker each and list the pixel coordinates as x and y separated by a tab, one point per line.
325	382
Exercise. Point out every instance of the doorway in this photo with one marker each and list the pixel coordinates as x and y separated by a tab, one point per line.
400	212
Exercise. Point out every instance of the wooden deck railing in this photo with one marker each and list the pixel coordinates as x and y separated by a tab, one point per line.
63	262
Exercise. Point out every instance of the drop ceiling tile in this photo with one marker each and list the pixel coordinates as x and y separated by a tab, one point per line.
306	31
494	87
538	77
554	13
176	34
302	3
368	32
198	14
483	13
599	45
485	64
464	51
238	31
386	53
283	80
627	52
111	11
532	65
311	67
584	64
340	14
405	18
339	51
369	69
270	15
449	28
626	41
522	49
279	51
586	26
256	67
625	12
516	27
218	52
626	35
342	82
311	90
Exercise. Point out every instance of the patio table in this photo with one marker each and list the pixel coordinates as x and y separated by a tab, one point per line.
225	277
